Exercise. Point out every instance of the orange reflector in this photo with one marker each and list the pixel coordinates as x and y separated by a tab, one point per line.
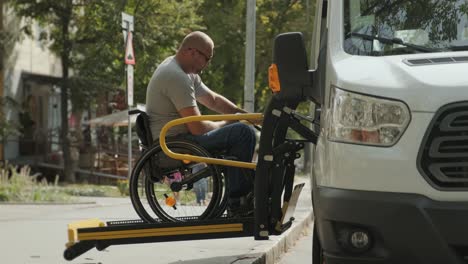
186	161
273	78
170	201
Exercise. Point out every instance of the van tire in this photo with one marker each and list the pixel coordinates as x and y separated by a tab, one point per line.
317	251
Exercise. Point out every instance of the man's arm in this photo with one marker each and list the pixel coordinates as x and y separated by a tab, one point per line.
222	105
199	127
219	103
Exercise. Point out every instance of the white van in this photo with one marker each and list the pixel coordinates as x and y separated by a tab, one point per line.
390	173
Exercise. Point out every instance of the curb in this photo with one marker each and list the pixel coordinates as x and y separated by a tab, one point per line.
285	241
270	253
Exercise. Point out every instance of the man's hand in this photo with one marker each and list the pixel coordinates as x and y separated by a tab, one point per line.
255	122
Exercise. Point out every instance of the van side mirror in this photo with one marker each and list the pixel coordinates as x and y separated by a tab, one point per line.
290	69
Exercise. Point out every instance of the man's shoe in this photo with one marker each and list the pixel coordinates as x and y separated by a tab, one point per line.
241	206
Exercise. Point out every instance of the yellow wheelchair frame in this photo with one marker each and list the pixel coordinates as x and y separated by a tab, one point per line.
184	120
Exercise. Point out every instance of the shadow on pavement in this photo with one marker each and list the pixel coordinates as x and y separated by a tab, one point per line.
240	259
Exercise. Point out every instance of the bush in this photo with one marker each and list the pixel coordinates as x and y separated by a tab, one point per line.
84	191
20	186
123	187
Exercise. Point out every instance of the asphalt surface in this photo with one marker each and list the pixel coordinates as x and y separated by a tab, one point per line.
38	233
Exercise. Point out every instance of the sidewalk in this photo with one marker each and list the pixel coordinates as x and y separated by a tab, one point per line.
36	234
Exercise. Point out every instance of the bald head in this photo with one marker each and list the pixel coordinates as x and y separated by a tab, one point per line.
197	40
195	52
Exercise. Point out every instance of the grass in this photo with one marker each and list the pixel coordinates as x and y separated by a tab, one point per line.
18	185
92	190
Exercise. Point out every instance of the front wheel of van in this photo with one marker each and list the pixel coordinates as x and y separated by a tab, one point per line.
317	251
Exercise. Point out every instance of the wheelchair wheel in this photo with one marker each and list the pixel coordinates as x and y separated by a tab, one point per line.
176	190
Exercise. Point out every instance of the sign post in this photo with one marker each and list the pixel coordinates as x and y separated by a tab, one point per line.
249	81
127	28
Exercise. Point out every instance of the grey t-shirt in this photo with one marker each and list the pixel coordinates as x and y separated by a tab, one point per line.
170	90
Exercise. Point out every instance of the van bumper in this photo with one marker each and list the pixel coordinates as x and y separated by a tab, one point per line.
403	228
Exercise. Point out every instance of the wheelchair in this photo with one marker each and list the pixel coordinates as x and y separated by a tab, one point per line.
163	189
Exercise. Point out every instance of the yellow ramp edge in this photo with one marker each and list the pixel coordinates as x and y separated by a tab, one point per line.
162	231
73	229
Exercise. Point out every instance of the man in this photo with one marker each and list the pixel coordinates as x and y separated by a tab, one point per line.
173	92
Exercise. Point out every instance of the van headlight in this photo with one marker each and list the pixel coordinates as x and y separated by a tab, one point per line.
363	119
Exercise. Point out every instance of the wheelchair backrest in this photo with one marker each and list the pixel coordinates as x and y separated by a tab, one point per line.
143	129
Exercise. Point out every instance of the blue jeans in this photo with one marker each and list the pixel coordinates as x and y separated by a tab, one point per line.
238	140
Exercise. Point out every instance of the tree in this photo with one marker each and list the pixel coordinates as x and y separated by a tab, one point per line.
9	35
86	35
159	27
277	17
60	17
1	66
226	25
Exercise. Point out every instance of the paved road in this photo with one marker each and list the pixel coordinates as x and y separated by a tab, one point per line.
301	253
36	234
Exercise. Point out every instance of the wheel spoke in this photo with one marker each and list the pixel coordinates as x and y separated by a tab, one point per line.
175	190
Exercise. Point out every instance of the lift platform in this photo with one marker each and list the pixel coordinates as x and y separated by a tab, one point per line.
94	233
88	234
275	196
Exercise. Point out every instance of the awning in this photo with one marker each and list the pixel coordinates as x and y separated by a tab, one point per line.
116	119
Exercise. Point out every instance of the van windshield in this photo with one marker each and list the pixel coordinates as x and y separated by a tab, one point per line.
394	27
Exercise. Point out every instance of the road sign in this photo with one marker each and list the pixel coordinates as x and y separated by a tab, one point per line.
127	25
129	54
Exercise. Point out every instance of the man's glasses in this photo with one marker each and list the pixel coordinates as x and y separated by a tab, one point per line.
207	58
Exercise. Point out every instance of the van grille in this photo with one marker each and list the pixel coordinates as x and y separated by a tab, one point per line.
443	156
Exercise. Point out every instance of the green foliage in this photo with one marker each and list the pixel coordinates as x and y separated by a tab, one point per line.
99	53
123	187
275	17
90	190
20	186
9	128
98	48
159	28
225	23
9	36
60	18
85	190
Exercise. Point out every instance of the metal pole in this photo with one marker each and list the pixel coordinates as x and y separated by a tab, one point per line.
129	82
127	25
249	82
